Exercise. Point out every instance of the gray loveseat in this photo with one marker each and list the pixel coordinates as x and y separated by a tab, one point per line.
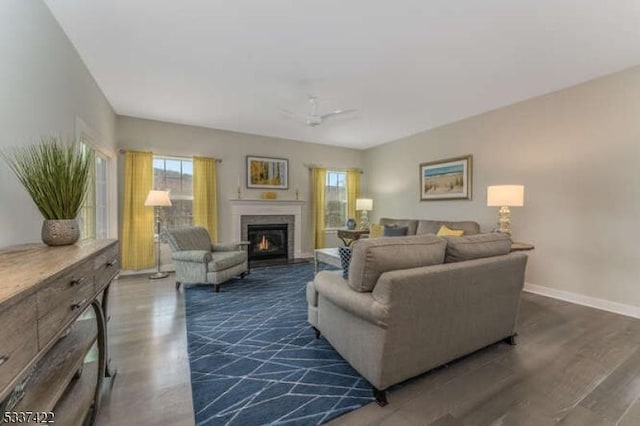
413	303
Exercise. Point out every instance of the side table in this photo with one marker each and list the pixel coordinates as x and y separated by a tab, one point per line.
330	256
348	236
516	246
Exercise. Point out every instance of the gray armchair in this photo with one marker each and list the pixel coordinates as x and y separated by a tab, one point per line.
197	260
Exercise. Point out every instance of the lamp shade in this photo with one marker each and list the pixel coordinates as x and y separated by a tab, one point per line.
364	204
157	199
505	195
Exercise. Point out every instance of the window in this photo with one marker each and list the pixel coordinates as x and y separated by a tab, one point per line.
176	176
94	217
335	199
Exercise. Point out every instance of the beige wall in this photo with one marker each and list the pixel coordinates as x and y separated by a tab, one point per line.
44	88
174	139
577	151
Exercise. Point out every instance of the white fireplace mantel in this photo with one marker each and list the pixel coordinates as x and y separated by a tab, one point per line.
241	208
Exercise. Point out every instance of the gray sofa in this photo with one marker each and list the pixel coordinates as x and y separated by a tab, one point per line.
197	260
420	227
413	303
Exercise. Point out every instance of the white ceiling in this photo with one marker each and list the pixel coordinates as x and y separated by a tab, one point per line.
406	65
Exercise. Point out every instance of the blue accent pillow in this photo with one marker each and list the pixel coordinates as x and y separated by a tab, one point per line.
345	260
395	231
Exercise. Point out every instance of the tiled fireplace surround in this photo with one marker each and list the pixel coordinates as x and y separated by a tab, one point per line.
289	220
258	212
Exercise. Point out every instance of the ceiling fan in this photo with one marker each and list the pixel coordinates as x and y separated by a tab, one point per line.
313	118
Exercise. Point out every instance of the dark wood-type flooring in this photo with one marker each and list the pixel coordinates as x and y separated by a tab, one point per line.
573	365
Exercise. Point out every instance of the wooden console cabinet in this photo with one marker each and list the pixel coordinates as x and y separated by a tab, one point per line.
47	330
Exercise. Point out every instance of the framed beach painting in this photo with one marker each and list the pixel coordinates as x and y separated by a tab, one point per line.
267	172
448	179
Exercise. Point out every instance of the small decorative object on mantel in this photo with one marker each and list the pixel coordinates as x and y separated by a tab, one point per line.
56	174
448	179
269	195
267	173
351	224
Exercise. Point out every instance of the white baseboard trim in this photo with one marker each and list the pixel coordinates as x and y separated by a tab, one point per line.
580	299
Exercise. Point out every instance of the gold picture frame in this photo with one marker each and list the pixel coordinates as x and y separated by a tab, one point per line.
448	179
267	172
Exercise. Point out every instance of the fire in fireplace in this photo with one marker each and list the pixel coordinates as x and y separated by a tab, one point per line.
268	241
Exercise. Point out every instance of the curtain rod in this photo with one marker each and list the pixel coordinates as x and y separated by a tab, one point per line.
340	169
218	160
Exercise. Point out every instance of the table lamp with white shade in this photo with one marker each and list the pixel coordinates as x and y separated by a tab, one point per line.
158	199
364	205
505	196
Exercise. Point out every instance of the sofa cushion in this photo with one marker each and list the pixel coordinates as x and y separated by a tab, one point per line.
477	246
395	231
411	224
432	226
371	257
222	260
444	231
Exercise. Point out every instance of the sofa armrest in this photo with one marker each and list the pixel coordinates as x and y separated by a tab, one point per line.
225	247
195	256
335	289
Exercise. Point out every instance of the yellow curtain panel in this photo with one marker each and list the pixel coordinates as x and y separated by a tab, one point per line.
353	192
318	180
205	199
137	224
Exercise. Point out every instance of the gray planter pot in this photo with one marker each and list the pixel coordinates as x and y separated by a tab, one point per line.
61	232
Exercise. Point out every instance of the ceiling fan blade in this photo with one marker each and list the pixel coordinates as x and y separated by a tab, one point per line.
293	115
337	112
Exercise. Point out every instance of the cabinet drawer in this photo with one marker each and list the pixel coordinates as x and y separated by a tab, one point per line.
106	265
61	291
18	339
63	313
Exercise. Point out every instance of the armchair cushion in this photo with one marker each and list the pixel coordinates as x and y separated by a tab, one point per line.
189	238
373	256
226	259
196	256
225	247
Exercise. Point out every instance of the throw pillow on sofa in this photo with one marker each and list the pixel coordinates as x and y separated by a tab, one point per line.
372	257
375	230
445	231
395	231
476	246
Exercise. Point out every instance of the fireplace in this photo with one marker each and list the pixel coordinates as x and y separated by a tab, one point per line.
268	241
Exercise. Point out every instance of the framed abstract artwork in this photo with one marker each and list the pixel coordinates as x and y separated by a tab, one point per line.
449	179
267	172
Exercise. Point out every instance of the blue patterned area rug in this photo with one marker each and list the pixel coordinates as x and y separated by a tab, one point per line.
255	359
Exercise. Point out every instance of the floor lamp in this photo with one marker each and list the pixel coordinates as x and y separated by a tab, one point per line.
158	199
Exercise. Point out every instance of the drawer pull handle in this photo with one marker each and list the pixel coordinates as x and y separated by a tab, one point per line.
3	359
112	263
77	281
78	305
